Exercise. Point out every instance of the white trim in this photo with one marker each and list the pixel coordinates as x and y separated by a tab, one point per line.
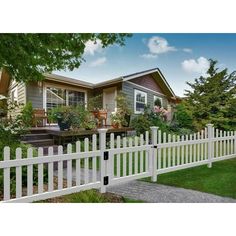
140	74
172	92
13	91
64	87
142	87
135	94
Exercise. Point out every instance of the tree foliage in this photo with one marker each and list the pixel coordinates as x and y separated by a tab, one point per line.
212	98
28	56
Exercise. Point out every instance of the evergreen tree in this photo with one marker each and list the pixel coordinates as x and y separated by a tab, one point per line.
212	98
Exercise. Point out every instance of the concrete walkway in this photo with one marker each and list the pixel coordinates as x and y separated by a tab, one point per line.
154	193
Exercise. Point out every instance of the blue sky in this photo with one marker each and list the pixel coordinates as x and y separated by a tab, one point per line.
180	57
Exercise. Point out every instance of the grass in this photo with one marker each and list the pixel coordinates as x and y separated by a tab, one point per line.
219	180
90	196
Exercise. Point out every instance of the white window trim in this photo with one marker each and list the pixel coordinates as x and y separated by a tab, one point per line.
48	85
15	90
135	93
155	97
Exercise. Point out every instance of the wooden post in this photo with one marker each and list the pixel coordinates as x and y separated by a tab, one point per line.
102	147
153	157
210	136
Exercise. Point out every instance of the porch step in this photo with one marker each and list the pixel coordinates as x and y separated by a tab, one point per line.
38	130
40	136
40	143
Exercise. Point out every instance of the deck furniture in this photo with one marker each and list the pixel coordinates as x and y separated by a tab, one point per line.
101	115
40	117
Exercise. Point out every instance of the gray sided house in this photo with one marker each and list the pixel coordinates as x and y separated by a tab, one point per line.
141	89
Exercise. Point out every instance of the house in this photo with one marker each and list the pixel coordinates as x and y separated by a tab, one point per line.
142	88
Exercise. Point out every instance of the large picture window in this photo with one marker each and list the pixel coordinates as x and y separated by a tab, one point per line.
140	101
56	97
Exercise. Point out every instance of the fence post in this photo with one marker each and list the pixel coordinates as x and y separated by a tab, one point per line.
153	158
103	163
210	136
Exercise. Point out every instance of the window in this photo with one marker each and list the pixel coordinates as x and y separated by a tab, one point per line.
14	94
76	98
55	97
62	97
140	101
155	98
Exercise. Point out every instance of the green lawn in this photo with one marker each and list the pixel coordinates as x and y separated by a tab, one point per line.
90	196
219	180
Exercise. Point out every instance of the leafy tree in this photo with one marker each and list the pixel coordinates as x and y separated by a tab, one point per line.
28	56
213	98
182	116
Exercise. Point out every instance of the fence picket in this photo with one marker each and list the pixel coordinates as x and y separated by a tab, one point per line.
186	151
225	151
146	153
118	158
159	150
190	149
50	171
174	148
135	156
86	162
124	157
77	164
60	169
194	148
164	151
169	151
69	167
130	157
94	159
6	174
40	172
221	144
112	144
217	143
228	143
178	150
182	151
198	147
202	146
29	173
18	174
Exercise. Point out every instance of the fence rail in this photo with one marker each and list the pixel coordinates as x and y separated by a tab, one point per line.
96	163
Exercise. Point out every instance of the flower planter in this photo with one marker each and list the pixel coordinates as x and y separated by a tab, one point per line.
63	125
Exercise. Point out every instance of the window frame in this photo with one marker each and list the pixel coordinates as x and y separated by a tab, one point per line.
136	91
155	97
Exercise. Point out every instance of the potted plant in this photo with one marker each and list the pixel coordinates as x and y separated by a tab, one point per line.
116	120
63	115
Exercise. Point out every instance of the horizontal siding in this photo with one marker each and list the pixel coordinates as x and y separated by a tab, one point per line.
35	94
128	89
21	93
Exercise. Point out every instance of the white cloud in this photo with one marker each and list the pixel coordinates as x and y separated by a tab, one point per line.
189	50
98	62
91	47
200	66
149	56
158	45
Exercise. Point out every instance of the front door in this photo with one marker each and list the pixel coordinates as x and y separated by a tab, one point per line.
109	102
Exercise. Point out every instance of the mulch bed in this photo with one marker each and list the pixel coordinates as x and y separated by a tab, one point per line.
110	197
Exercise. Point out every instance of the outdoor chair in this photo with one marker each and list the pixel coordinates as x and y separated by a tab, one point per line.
101	115
40	117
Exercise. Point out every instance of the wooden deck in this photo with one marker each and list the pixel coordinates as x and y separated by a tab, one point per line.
62	137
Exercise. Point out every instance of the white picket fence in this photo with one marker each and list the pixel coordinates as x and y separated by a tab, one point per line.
99	164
